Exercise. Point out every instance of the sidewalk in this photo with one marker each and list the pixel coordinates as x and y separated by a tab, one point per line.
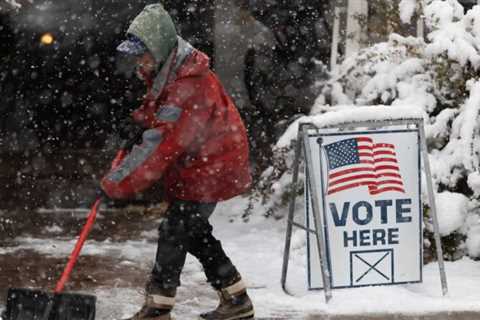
118	257
433	316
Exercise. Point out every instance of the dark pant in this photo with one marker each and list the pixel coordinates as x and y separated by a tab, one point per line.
186	229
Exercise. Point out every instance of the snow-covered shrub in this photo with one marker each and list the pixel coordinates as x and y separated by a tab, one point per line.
9	5
441	76
272	191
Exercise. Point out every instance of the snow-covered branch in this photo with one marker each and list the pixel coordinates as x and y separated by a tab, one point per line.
437	75
6	5
407	9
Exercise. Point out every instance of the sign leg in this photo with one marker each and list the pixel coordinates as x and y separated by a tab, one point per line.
291	209
319	226
433	207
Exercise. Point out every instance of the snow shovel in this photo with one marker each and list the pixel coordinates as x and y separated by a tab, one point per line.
27	304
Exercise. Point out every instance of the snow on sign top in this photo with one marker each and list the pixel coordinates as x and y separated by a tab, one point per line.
350	115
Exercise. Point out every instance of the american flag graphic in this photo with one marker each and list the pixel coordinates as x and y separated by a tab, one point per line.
361	162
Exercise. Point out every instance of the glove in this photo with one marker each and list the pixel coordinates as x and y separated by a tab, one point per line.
99	193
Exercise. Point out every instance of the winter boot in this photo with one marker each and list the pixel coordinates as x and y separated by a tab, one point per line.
234	304
156	307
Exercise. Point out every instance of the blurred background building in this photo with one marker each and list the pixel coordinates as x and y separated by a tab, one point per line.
64	89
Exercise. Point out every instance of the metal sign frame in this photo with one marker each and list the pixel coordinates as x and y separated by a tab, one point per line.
319	230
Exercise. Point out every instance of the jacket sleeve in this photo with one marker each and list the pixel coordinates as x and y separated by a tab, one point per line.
161	146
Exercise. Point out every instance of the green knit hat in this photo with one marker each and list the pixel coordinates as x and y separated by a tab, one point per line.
155	28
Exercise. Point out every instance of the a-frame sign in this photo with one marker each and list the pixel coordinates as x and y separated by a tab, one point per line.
363	203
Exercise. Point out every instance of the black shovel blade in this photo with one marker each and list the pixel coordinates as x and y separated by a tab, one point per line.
26	304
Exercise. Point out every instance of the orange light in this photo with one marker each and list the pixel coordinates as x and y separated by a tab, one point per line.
47	39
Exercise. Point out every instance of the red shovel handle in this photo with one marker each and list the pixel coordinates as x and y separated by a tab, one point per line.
120	155
90	221
78	247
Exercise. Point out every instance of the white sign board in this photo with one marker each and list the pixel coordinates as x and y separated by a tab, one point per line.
369	192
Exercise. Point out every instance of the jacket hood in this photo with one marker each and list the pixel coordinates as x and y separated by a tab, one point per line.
197	64
183	61
155	28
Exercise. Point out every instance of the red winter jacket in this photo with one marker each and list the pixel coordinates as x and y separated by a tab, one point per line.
194	140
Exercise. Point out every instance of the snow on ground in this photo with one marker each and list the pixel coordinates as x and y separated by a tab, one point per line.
257	250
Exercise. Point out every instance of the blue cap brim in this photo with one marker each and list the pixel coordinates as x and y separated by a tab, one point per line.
131	48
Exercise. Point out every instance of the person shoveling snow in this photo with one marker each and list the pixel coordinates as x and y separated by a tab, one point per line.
195	142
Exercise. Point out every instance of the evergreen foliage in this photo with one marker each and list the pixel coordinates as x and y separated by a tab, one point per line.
439	75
